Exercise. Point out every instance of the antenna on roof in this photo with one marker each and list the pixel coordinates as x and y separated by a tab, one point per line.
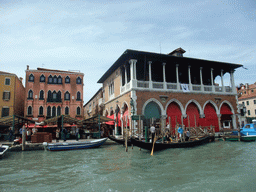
244	68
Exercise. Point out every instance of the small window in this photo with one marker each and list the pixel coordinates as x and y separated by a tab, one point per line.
78	96
54	95
5	111
31	78
48	111
252	91
53	111
7	81
59	80
49	99
29	110
254	101
42	78
6	95
247	102
255	112
58	111
249	112
78	80
67	79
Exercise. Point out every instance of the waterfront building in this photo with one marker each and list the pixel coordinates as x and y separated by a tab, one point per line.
12	93
51	93
171	88
247	101
95	105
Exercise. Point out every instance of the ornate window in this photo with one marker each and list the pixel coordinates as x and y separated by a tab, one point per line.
49	98
58	111
48	111
67	79
59	80
59	96
55	79
41	110
31	78
67	96
29	110
50	80
30	94
66	111
54	96
41	95
53	111
78	96
78	80
78	111
42	78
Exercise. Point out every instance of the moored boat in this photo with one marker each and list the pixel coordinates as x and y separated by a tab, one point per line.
120	140
247	133
75	145
158	145
3	150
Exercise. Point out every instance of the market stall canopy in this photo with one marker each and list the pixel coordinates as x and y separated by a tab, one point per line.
97	119
66	119
14	120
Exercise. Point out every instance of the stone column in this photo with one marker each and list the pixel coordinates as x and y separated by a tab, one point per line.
189	79
150	75
131	69
125	74
219	118
164	77
222	83
213	87
201	79
135	70
234	121
232	81
177	77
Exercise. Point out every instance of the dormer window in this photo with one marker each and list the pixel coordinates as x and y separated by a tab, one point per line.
31	78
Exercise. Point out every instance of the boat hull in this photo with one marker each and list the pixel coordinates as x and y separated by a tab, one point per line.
75	145
161	146
3	150
119	140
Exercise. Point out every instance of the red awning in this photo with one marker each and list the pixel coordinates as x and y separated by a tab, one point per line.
225	110
110	122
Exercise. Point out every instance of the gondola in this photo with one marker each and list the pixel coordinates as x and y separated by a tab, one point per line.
161	146
74	145
120	140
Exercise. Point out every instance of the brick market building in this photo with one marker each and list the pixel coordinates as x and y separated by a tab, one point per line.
50	93
178	89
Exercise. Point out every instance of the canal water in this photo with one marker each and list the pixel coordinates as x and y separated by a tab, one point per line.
218	166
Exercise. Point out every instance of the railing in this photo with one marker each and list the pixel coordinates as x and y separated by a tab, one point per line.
147	85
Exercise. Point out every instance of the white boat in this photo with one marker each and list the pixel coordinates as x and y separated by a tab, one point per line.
74	145
3	150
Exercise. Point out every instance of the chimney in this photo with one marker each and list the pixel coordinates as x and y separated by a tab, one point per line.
27	67
21	79
177	52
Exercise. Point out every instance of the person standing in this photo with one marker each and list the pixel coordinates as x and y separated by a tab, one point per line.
152	130
64	134
180	131
57	135
10	134
77	133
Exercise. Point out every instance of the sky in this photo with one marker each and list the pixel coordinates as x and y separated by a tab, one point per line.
89	36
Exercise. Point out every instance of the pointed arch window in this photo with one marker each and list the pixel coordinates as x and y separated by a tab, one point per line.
41	95
55	79
31	78
41	110
29	110
53	111
59	80
54	96
48	111
42	78
67	96
58	111
50	80
78	111
49	96
78	80
66	111
67	79
78	96
30	94
59	96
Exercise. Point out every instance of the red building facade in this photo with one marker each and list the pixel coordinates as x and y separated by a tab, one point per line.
50	93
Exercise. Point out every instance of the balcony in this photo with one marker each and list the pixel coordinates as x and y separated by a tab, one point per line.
176	87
